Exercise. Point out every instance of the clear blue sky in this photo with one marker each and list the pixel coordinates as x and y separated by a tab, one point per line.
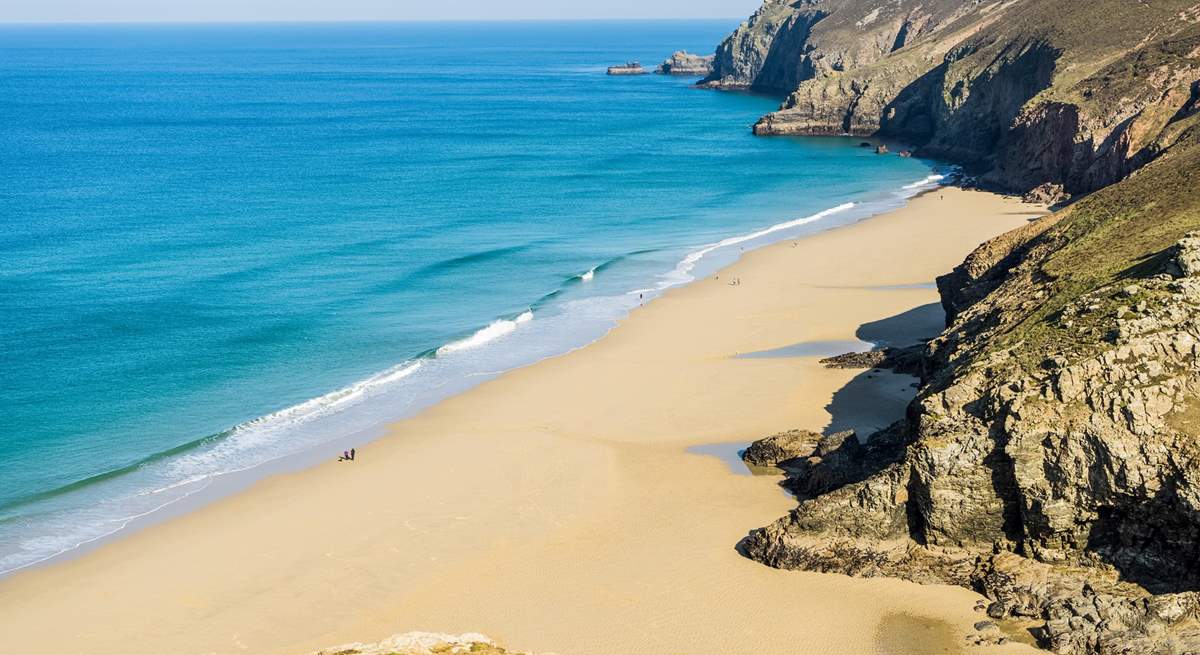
303	10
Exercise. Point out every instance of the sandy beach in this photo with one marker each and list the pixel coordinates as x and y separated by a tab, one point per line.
585	505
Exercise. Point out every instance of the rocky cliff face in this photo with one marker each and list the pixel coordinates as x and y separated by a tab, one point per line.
1066	93
1052	458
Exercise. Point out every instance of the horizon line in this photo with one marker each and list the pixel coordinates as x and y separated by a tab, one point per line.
318	21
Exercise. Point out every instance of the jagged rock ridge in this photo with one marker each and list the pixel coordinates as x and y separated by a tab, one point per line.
1072	94
1051	460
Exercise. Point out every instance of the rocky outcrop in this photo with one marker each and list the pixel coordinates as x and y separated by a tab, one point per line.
685	63
628	68
1071	94
778	448
787	42
1051	460
908	360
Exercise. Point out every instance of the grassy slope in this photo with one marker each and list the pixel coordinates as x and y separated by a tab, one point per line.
1113	235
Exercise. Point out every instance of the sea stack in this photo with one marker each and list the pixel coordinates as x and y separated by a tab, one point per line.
627	68
685	63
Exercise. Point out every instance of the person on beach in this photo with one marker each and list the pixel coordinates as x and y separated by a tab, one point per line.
345	456
352	454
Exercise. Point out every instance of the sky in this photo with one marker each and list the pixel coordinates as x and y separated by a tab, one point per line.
316	10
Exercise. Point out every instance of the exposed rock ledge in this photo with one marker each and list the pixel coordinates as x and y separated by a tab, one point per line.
1051	460
1064	96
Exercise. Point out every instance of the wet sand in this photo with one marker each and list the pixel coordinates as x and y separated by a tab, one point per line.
579	505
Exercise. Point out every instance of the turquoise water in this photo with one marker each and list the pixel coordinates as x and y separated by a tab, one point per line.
226	245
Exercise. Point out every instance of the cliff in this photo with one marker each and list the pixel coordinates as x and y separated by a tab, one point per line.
1051	460
1066	95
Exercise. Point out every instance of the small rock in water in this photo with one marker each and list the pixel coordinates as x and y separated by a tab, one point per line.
628	68
685	63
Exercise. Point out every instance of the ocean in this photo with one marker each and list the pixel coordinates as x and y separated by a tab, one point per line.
225	246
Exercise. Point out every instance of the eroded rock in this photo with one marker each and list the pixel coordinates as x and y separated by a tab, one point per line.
685	63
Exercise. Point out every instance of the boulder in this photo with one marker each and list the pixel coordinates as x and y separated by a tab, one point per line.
778	448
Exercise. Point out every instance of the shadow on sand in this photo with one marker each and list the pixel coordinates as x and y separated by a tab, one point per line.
873	399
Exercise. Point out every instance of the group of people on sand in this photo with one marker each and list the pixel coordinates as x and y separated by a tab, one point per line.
347	456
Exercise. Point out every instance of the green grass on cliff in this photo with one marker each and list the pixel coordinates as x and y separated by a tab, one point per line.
1116	234
1093	35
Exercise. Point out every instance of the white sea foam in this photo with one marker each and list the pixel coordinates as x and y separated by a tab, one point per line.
255	442
931	180
330	402
265	429
490	333
684	268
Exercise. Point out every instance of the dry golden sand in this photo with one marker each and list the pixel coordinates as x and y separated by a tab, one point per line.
557	508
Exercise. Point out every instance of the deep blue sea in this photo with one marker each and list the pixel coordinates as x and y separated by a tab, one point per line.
226	245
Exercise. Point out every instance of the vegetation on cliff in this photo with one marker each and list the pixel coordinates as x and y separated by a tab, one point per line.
1051	460
1066	93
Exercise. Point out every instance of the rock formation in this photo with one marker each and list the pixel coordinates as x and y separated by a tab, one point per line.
1067	93
781	447
685	63
627	68
1051	460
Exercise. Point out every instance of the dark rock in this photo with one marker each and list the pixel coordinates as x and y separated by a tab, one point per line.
869	359
979	87
772	450
901	360
1050	460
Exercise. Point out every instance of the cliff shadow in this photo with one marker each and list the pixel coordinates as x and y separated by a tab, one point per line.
912	327
870	402
1154	543
877	398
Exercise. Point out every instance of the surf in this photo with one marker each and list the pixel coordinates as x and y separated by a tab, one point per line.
493	331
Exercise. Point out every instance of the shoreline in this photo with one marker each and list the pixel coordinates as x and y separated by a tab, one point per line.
475	503
695	265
